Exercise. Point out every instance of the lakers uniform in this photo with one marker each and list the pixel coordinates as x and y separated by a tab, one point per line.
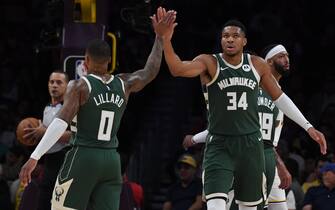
91	170
271	120
234	134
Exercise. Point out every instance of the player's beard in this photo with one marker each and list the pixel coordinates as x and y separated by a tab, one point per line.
281	70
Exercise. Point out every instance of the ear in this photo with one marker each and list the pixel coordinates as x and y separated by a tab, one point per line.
245	41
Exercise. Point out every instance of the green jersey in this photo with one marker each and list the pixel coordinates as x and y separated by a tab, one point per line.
98	120
271	119
232	98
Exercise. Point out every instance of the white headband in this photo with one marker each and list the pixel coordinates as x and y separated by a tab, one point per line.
274	51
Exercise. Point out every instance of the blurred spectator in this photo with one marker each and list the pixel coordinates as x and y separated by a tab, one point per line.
187	191
7	135
16	190
314	178
131	195
296	189
15	158
295	150
4	195
9	171
322	197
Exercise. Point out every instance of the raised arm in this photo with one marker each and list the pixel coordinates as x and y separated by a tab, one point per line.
177	67
136	81
285	104
139	79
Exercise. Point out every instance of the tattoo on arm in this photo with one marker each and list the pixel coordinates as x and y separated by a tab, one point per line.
139	79
153	63
76	94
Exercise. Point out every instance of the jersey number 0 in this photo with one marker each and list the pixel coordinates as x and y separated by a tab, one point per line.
106	125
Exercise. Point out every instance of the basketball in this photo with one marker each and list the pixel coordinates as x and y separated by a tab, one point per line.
29	122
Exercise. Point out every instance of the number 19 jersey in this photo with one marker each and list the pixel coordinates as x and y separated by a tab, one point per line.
271	119
232	97
98	120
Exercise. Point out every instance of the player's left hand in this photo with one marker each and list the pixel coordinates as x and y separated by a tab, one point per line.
164	23
319	138
284	176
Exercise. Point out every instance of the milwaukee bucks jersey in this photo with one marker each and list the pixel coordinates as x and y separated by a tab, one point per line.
98	120
232	98
271	119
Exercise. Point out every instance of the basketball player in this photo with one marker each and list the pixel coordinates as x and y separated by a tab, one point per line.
234	150
91	170
54	157
271	120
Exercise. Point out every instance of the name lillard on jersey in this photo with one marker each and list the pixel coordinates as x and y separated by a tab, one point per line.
107	98
263	101
237	81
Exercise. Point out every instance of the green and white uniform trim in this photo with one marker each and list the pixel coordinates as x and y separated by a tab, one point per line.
232	94
271	119
98	120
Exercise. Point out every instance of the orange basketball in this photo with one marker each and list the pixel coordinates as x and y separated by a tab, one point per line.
29	122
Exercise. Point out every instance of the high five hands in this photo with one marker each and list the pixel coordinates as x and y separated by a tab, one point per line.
163	23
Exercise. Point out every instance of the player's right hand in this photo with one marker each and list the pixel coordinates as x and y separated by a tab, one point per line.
164	23
284	176
188	141
26	170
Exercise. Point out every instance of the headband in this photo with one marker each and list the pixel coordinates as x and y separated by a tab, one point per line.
274	51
